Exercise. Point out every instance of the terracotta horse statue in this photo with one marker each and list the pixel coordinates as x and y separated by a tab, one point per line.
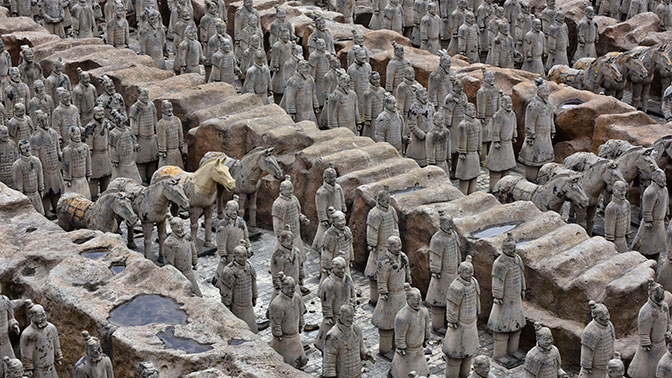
657	60
248	172
631	68
150	204
594	180
663	151
74	211
200	188
550	196
587	73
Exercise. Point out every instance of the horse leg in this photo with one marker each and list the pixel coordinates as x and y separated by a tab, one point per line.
194	214
130	243
220	202
636	95
242	201
147	229
161	228
590	219
252	207
645	97
207	213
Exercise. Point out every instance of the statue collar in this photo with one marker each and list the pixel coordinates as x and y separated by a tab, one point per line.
328	186
464	282
286	198
25	158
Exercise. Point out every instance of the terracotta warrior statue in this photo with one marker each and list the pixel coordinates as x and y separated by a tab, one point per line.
77	164
463	307
169	139
84	97
485	13
389	125
481	367
57	79
230	230
281	52
533	49
53	13
27	174
40	347
286	259
143	125
8	155
430	29
468	148
393	271
30	69
65	115
94	363
652	323
279	23
287	211
504	133
547	15
45	146
337	242
330	82
467	38
444	259
237	286
597	343
206	26
394	73
393	16
359	72
258	79
419	118
411	331
40	101
454	106
13	368
117	29
617	217
537	148
502	50
437	143
123	146
319	61
329	194
300	98
97	137
616	368
487	103
180	251
185	21
523	25
440	82
7	324
152	38
381	223
543	360
558	41
16	91
456	19
241	18
20	125
336	289
225	65
357	44
508	291
664	368
650	238
189	53
321	32
405	96
587	35
344	350
110	98
286	314
344	106
5	65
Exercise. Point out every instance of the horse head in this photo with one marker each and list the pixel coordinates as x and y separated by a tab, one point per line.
611	72
661	58
123	207
612	175
646	162
574	192
637	69
220	173
268	163
175	193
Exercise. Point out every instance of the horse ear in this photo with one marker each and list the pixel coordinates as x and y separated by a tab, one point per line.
270	150
574	179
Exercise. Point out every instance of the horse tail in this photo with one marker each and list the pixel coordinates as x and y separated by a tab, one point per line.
504	189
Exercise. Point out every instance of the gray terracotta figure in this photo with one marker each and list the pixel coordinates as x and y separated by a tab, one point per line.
30	69
110	7
152	38
52	13
255	47
206	26
300	99
330	83
617	217
412	329
245	35
374	98
664	13
185	21
65	115
230	231
286	259
57	79
83	20
20	125
393	272
664	368
408	16
242	17
419	11
503	47
94	363
512	8
177	9
110	98
97	137
169	138
394	73
382	222
558	41
287	211
225	65
7	324
634	8
587	36
344	349
281	52
84	97
481	367
329	194
321	32
492	30
616	368
336	289
13	367
343	106
484	14
389	125
437	143
16	91
258	79
319	63
546	16
456	20
430	29
286	314
143	125
537	148
40	346
237	286
357	44
487	103
40	101
214	42
5	65
463	307
376	21
359	72
468	39
189	53
21	8
504	133
533	48
650	238
543	360
597	343
337	242
346	8
440	82
123	146
454	106
405	96
444	259
652	323
420	122
179	251
8	155
279	24
508	291
28	176
45	146
117	33
77	164
664	276
469	146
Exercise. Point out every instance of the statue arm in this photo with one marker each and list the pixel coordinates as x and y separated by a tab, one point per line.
327	300
332	115
372	226
586	357
67	175
290	98
452	311
461	40
389	77
481	99
327	255
225	289
255	290
648	202
161	136
383	275
276	314
194	254
415	129
58	354
461	138
609	223
88	164
497	287
400	329
379	129
27	348
530	121
644	327
429	147
330	358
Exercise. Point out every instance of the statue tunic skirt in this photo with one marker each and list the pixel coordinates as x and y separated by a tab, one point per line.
149	149
461	342
469	167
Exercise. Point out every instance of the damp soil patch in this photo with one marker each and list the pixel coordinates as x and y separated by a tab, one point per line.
185	344
148	309
493	231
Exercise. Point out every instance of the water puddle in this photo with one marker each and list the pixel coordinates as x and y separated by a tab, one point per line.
235	342
407	190
117	268
569	104
187	345
147	309
493	231
94	255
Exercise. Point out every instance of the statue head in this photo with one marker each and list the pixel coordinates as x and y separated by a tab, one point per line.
589	12
469	18
413	297
383	197
525	7
338	265
544	336
152	16
211	7
240	254
220	26
481	365
287	237
19	110
75	134
542	88
409	73
38	316
284	35
108	85
536	25
431	8
338	220
346	315
658	176
398	50
438	120
288	286
248	4
668	340
462	4
4	133
360	56
620	189
147	370
297	51
499	12
559	17
488	77
329	175
42	119
178	226
503	27
615	367
394	244
550	4
470	110
458	86
92	350
259	58
445	61
14	74
224	44
320	24
420	93
344	81
303	68
509	245
232	207
357	38
252	21
166	107
599	312
119	11
98	112
143	95
445	221
320	45
84	77
466	269
507	104
656	292
57	67
27	54
190	32
24	147
64	96
280	13
13	367
286	187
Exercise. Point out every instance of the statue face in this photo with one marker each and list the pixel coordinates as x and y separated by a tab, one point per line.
602	317
545	341
65	98
614	371
39	318
360	56
483	369
226	45
536	25
75	134
469	18
421	95
28	55
320	24
384	199
413	299
4	134
248	4
466	273
252	21
120	12
19	110
231	210
221	28
620	189
559	17
543	92
504	28
15	74
287	241
281	14
240	255
288	287
338	268
590	13
489	78
394	245
447	224
57	67
658	294
399	52
358	39
390	104
320	45
179	228
286	188
462	5
85	78
284	35
444	62
339	222
108	87
191	34
259	59
143	95
167	109
344	81
330	177
409	73
94	351
506	103
43	120
658	177
98	113
347	317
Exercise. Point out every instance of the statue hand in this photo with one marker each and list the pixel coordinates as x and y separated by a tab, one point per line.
369	356
436	275
254	302
530	141
370	248
552	135
115	165
384	296
497	301
522	294
514	140
452	325
329	321
325	223
28	373
304	220
647	348
278	337
293	115
462	156
68	183
162	154
401	351
497	145
16	329
59	361
648	224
